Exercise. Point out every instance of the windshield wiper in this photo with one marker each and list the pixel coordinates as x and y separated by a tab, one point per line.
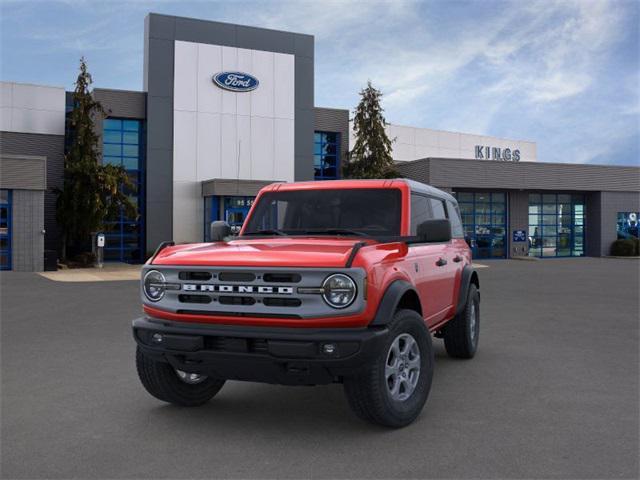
269	231
336	231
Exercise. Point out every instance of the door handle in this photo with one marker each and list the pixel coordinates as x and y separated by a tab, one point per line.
457	259
441	262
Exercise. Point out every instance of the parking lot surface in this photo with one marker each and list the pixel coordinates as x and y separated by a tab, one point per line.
552	392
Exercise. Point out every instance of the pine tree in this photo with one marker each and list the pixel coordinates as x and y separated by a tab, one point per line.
91	192
371	154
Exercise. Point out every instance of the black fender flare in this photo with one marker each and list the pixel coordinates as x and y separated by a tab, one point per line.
390	300
469	276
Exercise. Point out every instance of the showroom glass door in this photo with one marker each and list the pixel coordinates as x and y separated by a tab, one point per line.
5	229
484	218
556	225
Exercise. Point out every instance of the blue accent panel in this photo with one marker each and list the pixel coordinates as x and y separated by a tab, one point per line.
236	210
326	155
5	229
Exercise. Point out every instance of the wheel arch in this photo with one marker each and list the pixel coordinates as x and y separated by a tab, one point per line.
469	276
399	295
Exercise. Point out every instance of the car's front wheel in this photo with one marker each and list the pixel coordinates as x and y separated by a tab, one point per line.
392	390
175	386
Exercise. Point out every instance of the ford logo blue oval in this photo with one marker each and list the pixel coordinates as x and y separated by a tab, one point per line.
236	81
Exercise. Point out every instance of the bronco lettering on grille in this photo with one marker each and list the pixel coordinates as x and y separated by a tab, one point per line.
191	287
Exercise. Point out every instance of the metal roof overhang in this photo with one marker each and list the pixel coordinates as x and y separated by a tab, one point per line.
491	174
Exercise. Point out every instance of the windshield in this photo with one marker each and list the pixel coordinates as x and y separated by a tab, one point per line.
358	212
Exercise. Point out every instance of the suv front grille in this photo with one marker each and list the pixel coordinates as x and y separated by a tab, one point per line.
226	300
195	276
237	276
252	292
282	277
194	298
282	302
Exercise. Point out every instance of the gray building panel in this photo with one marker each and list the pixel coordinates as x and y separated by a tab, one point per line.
593	224
160	68
610	204
492	174
158	215
23	172
518	220
231	187
275	41
160	128
50	147
304	99
419	170
303	146
27	240
122	103
303	45
161	32
160	26
203	31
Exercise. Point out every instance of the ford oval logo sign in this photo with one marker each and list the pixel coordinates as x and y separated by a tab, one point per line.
236	81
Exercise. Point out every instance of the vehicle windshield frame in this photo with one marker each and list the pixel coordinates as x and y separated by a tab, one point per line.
250	232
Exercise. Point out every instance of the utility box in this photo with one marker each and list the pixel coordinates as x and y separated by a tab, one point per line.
100	250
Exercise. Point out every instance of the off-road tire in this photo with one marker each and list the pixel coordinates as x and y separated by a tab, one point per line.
458	339
368	393
161	380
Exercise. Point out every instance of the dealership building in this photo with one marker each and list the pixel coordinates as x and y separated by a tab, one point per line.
227	109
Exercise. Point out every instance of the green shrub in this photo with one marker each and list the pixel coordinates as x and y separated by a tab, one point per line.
624	248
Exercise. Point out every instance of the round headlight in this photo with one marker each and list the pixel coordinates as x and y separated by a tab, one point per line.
153	285
339	290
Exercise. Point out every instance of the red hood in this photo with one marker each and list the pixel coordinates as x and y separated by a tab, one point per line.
271	252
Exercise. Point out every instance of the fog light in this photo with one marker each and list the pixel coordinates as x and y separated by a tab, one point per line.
329	348
157	338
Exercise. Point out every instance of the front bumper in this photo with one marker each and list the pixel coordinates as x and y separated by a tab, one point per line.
289	356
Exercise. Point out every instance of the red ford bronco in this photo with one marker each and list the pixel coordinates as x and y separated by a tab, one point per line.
327	282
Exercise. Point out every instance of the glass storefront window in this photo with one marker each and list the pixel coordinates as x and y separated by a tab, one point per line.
558	231
326	158
484	220
627	225
123	145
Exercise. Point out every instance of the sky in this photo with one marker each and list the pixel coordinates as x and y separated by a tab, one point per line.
565	74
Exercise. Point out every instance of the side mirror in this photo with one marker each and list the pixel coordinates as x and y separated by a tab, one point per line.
436	231
219	230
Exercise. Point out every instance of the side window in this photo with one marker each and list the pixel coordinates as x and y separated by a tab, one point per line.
454	217
420	211
437	207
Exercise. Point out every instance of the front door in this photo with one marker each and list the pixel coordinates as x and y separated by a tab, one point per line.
435	276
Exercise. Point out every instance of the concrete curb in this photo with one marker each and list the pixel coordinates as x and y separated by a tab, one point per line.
525	259
112	273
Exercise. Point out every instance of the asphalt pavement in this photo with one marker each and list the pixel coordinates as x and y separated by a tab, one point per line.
552	393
